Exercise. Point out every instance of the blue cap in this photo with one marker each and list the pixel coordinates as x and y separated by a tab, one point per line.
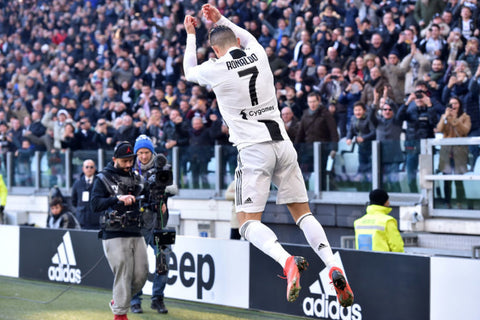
143	141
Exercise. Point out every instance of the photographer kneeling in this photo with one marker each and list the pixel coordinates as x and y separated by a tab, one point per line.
114	195
158	185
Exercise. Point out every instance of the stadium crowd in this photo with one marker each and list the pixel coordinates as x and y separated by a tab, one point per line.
86	74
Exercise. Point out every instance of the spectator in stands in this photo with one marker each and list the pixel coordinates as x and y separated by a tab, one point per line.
15	133
330	17
305	37
330	91
60	217
122	72
279	66
389	30
426	9
415	65
306	52
145	102
106	133
350	70
68	140
453	7
86	138
438	20
201	149
421	118
376	230
18	109
199	109
176	133
388	129
332	59
447	16
350	45
23	167
395	76
86	110
467	23
266	36
316	124
5	142
368	11
377	47
377	83
369	61
471	54
172	65
291	122
435	80
455	46
56	126
402	46
454	159
153	126
349	96
434	45
81	192
37	133
60	70
98	95
128	131
468	91
362	129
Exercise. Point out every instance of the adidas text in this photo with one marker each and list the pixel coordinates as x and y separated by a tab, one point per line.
65	261
64	274
327	307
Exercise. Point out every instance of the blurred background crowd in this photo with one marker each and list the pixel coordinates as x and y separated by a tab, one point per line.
86	74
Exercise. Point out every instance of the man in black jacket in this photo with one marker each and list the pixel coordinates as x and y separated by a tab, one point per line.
114	195
81	195
317	124
421	117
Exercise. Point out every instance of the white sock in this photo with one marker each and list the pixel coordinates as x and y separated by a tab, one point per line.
317	239
264	239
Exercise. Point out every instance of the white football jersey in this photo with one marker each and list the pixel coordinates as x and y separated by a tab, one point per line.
243	84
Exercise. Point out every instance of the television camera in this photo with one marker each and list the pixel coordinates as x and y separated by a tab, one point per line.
159	186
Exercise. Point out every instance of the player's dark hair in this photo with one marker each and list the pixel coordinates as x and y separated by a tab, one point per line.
221	36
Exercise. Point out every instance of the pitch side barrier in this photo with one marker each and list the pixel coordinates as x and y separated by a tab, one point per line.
233	273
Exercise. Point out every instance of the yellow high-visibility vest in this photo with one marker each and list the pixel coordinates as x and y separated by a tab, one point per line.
377	231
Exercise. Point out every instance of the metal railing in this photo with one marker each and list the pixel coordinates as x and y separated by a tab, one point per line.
207	179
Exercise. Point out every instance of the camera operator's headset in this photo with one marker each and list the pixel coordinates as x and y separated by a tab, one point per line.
119	146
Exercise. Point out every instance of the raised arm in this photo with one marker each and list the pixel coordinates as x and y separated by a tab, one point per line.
211	13
190	55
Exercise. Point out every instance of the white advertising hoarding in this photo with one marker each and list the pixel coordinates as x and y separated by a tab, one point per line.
207	270
10	250
454	288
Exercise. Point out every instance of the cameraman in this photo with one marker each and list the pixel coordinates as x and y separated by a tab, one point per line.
146	166
114	197
419	111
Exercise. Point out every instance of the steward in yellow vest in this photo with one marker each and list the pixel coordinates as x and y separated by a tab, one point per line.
376	230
